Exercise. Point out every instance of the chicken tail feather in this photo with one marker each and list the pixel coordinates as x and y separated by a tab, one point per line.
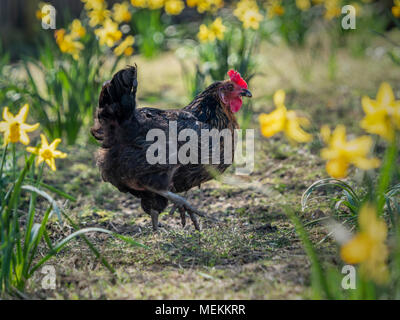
117	104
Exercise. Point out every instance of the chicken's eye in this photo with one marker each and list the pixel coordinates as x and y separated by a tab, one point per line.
230	87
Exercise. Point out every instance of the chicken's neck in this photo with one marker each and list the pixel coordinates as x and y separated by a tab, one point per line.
209	109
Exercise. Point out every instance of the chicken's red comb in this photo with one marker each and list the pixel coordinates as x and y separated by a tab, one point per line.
236	78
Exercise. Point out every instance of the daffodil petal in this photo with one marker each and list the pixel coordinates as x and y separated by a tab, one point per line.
7	115
22	114
337	168
52	164
44	142
3	126
23	138
272	123
279	98
369	106
54	144
366	164
325	133
356	250
59	154
385	94
29	127
339	135
296	133
33	150
39	160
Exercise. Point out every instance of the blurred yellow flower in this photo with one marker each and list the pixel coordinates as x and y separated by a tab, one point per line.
192	3
218	28
205	34
94	4
382	116
174	7
248	13
251	19
275	8
77	30
303	5
139	3
340	153
209	34
368	247
40	14
120	12
283	120
209	5
155	4
68	44
98	16
108	33
14	128
47	153
243	6
125	47
396	8
332	9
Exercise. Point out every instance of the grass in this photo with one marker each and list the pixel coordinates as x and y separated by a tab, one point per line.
253	253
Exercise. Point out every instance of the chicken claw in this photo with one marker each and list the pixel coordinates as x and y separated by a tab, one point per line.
181	202
182	212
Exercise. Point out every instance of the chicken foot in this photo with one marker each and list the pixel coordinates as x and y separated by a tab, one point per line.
183	205
175	207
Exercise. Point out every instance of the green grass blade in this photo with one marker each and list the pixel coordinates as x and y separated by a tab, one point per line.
81	232
328	182
318	276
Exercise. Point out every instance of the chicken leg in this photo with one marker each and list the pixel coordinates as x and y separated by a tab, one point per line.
184	206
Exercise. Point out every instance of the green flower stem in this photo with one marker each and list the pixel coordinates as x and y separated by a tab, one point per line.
31	215
3	157
14	162
386	175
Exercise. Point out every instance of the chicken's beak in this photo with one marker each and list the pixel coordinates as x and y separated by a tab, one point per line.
246	93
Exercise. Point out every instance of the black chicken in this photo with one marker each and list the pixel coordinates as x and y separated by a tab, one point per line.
122	129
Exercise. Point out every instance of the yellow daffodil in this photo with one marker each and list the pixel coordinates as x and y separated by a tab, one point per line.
218	28
77	30
205	34
192	3
332	9
40	14
275	8
14	128
215	31
47	153
282	120
98	16
120	12
208	5
340	153
125	47
303	5
174	7
251	19
382	116
94	4
396	8
155	4
248	12
139	3
368	246
68	44
243	6
108	33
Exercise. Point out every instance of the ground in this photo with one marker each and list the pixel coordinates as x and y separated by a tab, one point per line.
253	252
